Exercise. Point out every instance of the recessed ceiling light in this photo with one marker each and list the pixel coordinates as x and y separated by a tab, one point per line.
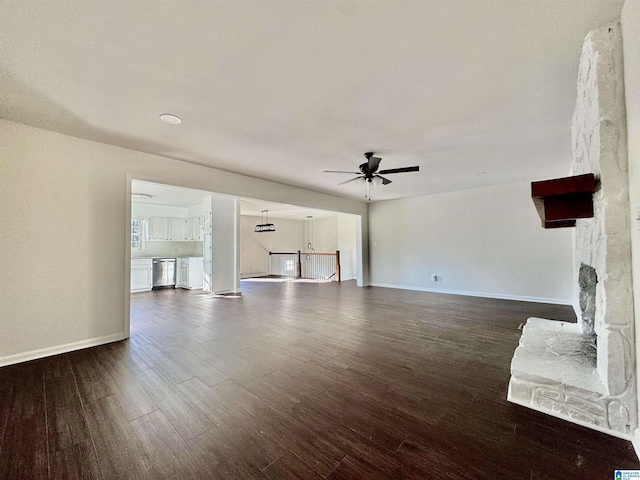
141	195
171	119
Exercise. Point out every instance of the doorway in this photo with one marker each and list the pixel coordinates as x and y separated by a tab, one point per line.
177	222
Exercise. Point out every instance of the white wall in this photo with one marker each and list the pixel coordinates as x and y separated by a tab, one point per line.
194	211
485	241
151	210
225	242
325	235
347	246
631	45
64	216
255	247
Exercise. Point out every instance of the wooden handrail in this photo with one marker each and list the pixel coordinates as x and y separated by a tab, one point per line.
298	254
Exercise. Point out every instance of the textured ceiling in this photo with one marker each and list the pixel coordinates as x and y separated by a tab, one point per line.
474	92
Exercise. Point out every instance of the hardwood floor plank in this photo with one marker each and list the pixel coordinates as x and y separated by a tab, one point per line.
195	366
170	455
7	386
120	455
24	449
133	398
288	466
66	425
75	462
126	352
225	460
286	431
352	469
181	413
170	369
241	429
239	367
343	411
92	383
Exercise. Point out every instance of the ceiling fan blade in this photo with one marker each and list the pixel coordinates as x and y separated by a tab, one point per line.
352	180
385	181
399	170
373	164
340	171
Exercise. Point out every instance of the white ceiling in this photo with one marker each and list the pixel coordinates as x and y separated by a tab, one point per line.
474	92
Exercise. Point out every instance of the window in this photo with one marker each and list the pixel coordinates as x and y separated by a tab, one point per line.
136	234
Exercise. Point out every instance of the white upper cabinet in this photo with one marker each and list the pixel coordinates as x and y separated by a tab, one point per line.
177	229
164	223
158	228
162	228
194	226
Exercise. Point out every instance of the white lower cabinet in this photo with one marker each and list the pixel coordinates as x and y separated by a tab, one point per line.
141	274
190	272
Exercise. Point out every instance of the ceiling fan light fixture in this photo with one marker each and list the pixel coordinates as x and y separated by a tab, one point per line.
369	173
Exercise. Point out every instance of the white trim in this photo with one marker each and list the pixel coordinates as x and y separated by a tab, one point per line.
253	275
69	347
521	298
126	321
635	441
232	291
577	310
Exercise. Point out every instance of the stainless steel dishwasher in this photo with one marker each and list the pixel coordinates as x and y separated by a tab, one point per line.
164	272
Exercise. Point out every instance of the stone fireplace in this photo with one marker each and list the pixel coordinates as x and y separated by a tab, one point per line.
583	372
587	281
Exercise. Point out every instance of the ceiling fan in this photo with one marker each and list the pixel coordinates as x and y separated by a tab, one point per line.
369	171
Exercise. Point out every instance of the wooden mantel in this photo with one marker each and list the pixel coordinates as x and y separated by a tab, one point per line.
562	200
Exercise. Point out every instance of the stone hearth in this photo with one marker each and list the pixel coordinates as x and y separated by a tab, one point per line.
583	372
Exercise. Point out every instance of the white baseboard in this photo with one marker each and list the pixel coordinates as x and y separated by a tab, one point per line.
50	351
521	298
228	292
253	275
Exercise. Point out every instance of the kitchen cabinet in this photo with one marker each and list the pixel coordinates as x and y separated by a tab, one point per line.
158	228
141	275
190	275
206	221
207	263
194	227
164	228
177	229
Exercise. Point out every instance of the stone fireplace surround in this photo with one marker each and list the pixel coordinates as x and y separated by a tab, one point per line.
584	372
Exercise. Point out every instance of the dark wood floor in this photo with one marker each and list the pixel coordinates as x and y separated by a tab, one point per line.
300	381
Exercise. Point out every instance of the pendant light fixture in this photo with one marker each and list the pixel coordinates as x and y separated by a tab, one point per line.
309	232
265	226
